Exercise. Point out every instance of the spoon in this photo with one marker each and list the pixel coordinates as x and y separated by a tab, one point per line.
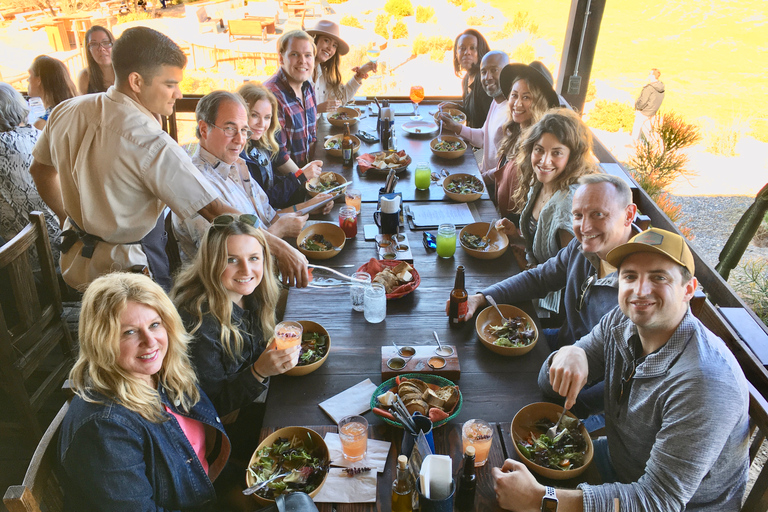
441	350
493	303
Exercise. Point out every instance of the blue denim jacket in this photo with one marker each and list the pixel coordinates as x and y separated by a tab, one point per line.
115	460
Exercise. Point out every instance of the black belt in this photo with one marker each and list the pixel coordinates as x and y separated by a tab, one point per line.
75	233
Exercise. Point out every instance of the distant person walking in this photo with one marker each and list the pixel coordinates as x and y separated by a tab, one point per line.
648	103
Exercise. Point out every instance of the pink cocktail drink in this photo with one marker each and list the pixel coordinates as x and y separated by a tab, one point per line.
477	433
287	335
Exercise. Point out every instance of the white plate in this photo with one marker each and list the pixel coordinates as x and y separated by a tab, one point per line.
424	127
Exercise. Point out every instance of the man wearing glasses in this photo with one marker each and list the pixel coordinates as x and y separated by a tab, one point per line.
676	399
222	129
602	219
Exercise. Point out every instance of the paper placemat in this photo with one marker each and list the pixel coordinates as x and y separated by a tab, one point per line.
355	400
340	488
375	456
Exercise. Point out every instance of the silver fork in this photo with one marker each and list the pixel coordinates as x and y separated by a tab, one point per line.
552	431
255	487
440	133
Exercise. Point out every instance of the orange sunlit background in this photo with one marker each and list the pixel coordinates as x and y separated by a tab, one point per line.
713	57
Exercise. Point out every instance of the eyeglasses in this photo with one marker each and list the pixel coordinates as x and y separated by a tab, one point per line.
104	44
585	286
222	221
231	131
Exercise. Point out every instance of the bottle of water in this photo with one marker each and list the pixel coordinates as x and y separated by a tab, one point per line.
36	110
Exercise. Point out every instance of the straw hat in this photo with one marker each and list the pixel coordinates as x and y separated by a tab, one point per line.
330	29
536	74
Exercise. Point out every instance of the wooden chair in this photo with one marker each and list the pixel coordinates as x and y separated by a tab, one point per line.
30	370
757	497
40	487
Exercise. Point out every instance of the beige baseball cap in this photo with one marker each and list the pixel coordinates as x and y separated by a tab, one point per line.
655	240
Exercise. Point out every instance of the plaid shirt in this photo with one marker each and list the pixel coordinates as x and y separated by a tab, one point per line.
298	119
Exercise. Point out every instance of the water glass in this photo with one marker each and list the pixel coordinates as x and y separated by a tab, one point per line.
357	291
288	334
375	307
477	433
353	434
446	240
353	198
422	176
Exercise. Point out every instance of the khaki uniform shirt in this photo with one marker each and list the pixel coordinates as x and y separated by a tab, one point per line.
118	171
235	188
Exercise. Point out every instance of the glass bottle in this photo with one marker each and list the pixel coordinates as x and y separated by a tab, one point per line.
402	487
347	147
465	494
457	310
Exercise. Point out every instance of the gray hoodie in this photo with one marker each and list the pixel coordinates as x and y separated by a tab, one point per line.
650	98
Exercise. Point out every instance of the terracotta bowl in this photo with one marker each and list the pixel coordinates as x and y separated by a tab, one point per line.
337	152
449	155
287	433
330	232
522	426
311	183
310	326
462	198
353	114
489	316
497	242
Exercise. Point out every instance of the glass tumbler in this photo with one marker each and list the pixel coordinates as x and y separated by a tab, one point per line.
446	240
477	433
357	290
422	176
353	434
375	307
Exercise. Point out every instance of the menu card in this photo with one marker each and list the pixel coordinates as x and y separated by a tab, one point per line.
432	215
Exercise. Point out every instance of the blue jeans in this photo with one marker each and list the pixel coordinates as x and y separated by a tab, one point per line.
602	459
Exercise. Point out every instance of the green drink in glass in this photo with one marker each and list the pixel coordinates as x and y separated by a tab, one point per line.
446	240
422	176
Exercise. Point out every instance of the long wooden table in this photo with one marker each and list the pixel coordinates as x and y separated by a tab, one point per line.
494	387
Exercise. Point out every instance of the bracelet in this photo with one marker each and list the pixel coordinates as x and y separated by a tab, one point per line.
299	173
258	374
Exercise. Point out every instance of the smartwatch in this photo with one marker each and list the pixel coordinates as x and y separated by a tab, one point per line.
549	501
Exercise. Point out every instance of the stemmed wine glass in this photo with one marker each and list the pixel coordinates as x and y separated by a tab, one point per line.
373	54
417	95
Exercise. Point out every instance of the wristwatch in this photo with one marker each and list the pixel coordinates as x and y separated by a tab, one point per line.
549	501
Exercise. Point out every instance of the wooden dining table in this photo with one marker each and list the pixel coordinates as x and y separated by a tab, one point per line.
494	387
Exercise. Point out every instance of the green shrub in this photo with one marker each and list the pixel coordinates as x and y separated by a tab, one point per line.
524	53
759	129
399	31
399	8
521	22
134	16
464	4
424	14
476	21
751	282
675	133
350	21
380	27
423	45
591	91
336	1
612	116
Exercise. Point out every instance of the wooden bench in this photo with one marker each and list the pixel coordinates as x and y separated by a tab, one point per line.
247	28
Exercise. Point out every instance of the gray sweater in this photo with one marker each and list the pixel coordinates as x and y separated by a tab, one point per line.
678	441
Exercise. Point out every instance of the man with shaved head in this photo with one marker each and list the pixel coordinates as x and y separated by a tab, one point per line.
492	131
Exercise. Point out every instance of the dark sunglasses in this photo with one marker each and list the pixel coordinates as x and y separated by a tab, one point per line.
429	241
225	220
585	286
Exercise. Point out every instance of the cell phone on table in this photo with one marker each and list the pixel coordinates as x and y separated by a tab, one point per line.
370	230
429	241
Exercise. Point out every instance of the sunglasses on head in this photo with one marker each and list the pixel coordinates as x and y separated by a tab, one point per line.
225	220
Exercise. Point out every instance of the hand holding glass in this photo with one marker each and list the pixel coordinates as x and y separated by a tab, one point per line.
288	334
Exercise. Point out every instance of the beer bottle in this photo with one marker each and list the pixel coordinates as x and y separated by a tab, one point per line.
457	311
347	147
403	487
385	135
465	494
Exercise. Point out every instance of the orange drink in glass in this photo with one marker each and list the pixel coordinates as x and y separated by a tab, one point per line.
353	198
477	433
353	432
288	334
417	95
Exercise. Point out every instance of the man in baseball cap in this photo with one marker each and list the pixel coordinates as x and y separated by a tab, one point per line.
676	400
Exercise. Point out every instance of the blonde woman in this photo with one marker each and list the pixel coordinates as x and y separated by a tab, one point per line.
529	93
264	155
139	434
227	299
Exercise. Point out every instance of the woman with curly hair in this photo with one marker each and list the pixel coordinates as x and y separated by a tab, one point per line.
468	50
331	92
529	93
227	299
99	75
139	433
49	80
